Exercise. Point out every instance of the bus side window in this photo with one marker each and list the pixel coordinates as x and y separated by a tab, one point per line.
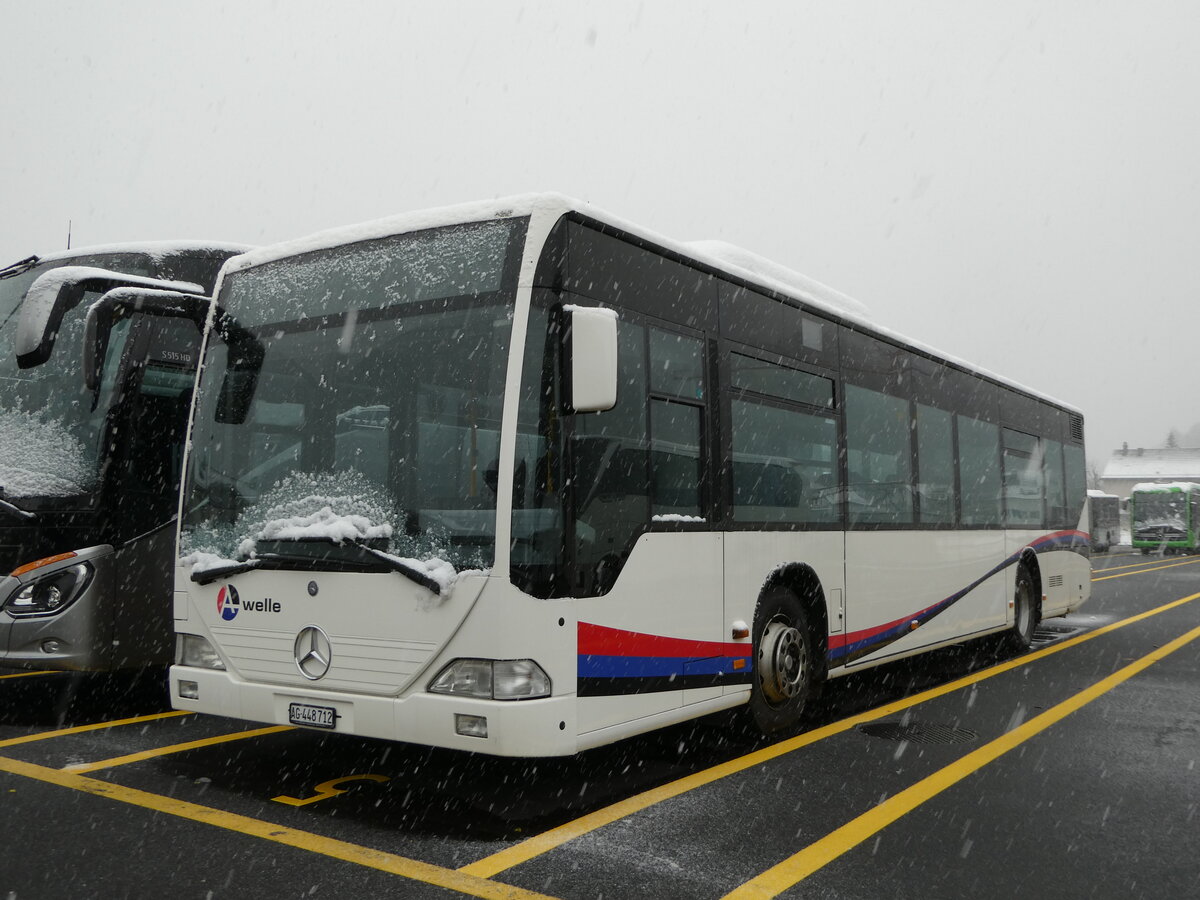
1056	501
935	466
979	471
879	456
1023	489
611	476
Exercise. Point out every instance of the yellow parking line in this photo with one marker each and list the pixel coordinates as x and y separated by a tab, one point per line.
81	768
97	726
270	831
1190	562
27	674
556	837
1140	565
813	857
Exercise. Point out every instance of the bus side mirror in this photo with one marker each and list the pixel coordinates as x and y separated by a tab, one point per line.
60	290
591	335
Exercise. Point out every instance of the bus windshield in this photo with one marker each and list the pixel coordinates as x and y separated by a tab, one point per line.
1166	508
50	438
373	414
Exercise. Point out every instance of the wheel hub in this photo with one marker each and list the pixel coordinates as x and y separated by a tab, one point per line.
783	662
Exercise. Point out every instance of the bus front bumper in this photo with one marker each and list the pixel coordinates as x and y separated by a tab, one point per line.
517	728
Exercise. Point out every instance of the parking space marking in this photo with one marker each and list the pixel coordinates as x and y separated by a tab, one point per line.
819	854
1137	565
95	726
28	674
535	846
81	768
327	789
1190	562
270	831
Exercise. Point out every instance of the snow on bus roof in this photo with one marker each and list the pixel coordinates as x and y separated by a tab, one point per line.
717	255
1166	486
154	249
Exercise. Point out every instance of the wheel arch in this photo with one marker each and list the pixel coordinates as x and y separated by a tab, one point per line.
802	580
1029	560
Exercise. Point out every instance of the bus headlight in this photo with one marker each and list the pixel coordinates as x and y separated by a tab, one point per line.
51	593
492	679
197	652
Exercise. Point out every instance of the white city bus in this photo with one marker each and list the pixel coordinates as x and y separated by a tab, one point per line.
524	479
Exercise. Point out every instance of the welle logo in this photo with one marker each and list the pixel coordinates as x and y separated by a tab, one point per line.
229	604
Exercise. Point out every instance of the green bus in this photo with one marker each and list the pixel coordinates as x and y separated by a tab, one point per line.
1165	517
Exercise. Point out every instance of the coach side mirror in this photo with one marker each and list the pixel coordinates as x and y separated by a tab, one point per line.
121	303
591	348
60	290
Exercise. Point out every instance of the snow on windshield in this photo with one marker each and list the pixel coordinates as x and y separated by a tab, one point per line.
341	507
40	457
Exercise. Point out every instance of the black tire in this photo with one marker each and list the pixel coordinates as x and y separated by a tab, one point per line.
784	662
1026	613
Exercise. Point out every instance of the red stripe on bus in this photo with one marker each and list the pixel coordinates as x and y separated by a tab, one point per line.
600	640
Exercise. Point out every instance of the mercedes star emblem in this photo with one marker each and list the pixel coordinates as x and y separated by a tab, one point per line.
314	652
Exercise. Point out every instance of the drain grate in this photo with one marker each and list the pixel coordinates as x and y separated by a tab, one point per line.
1052	634
918	732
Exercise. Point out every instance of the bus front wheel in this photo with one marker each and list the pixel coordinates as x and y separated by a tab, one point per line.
783	662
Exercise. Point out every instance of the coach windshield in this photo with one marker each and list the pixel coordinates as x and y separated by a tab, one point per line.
365	417
51	437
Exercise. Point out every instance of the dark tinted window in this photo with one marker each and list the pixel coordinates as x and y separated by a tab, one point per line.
878	458
979	471
935	466
747	373
784	464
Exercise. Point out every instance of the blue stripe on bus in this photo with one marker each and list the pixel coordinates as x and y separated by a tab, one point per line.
594	666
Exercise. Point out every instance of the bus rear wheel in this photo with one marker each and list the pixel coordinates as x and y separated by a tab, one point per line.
1019	637
783	662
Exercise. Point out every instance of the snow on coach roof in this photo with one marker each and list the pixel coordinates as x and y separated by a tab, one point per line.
715	254
154	249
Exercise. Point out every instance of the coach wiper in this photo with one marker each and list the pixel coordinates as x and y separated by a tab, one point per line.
13	510
21	265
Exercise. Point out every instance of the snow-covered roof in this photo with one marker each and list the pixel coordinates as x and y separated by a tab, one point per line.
154	249
1166	486
1098	494
1175	464
714	254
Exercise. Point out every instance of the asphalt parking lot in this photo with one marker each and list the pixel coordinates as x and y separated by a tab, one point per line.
1070	768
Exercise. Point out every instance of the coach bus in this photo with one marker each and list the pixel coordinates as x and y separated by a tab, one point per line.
1104	519
1165	517
522	478
89	482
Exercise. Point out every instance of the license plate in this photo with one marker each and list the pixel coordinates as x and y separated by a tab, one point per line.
312	716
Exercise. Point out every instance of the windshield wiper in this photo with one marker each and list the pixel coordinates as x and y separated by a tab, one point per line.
13	510
404	569
205	576
21	265
274	559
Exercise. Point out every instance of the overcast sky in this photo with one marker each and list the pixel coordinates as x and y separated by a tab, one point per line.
1016	184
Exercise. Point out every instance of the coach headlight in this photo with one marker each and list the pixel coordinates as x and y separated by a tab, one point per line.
197	652
51	593
492	679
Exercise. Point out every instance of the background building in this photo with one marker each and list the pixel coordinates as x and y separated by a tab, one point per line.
1128	467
